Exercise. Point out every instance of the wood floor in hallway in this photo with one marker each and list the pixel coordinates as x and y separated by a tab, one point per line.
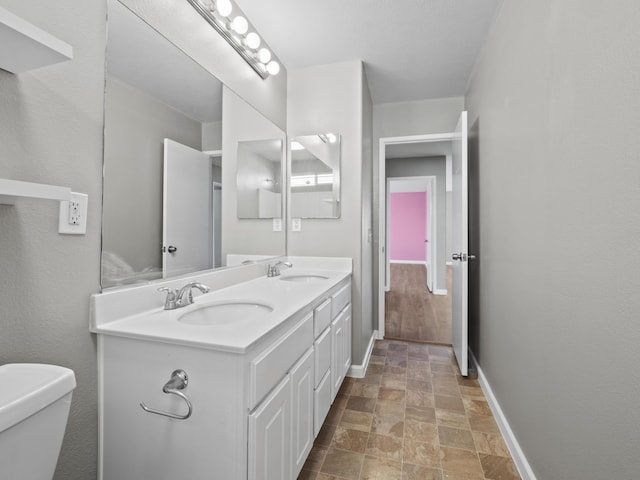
413	313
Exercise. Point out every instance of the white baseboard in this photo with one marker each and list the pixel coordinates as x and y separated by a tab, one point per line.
439	291
510	439
412	262
358	371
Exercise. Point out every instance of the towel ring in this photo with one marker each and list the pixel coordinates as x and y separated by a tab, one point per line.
178	381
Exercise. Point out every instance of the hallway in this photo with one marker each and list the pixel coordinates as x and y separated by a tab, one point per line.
412	313
412	417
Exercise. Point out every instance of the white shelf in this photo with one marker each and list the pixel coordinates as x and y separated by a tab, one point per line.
10	190
23	46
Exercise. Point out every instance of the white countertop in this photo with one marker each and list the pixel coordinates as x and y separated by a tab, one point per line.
239	334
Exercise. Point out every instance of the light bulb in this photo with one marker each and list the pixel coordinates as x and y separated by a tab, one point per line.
240	25
273	67
264	55
252	40
224	7
332	137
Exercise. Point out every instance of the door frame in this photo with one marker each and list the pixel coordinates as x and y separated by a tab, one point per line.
430	183
382	210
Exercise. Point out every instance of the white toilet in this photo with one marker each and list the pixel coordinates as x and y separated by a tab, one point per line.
34	406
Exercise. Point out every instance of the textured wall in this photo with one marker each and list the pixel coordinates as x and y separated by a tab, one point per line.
330	98
51	132
553	113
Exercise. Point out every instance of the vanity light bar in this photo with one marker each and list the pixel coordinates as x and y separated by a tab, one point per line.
236	33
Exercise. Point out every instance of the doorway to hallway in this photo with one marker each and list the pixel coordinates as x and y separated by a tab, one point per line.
412	312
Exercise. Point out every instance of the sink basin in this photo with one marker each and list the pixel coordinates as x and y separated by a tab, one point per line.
303	278
226	312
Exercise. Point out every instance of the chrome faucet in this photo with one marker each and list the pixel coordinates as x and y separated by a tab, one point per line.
274	270
183	297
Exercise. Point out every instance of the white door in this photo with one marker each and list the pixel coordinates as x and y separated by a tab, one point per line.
217	224
186	213
460	245
429	229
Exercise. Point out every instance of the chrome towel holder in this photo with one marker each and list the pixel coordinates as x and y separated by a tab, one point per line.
178	381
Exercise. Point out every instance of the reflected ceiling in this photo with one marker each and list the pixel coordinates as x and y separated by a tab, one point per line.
160	68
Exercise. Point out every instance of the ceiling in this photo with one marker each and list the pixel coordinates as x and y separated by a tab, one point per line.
140	56
412	49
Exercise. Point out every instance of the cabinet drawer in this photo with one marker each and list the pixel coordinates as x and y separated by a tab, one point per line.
321	403
340	299
322	355
321	317
271	365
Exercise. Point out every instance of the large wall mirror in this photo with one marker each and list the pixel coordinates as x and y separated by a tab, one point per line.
164	163
315	176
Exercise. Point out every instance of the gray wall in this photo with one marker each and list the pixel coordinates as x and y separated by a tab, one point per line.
212	136
404	119
135	126
555	325
367	214
51	132
243	235
51	124
336	93
251	171
422	167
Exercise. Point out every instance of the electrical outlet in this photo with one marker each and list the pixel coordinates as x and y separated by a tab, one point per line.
73	215
296	224
74	212
277	224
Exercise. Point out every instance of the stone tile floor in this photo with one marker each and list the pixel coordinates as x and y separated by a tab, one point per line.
411	417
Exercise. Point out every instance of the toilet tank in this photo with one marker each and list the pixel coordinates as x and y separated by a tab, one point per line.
34	406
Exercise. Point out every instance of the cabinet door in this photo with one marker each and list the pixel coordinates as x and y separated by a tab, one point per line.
346	350
270	436
322	402
337	355
302	411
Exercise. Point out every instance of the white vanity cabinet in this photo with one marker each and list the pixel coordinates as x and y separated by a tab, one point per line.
270	437
255	413
340	337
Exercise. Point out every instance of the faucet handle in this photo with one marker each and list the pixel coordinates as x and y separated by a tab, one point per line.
172	297
184	296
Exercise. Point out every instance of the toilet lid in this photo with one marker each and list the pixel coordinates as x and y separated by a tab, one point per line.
27	388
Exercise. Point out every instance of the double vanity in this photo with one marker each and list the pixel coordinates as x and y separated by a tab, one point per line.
235	385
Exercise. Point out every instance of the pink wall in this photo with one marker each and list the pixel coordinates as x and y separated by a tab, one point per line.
407	226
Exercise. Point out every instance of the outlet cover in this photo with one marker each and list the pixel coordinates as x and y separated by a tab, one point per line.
296	224
277	224
73	215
